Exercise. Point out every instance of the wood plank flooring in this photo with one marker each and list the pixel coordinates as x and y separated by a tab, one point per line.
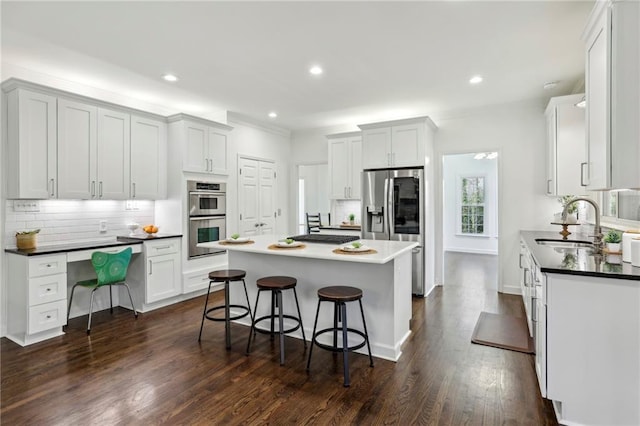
153	371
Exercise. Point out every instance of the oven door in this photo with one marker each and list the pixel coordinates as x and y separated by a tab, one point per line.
207	203
204	230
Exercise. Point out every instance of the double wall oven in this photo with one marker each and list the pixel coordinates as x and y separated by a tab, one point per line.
207	216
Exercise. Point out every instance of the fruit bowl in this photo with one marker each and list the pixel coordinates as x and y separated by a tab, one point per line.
150	230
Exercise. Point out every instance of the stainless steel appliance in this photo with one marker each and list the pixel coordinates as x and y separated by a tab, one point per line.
393	208
207	216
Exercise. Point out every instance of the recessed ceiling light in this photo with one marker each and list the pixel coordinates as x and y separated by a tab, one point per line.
170	77
315	70
550	85
475	79
273	114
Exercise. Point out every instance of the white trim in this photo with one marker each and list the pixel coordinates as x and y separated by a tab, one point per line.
471	250
459	178
509	289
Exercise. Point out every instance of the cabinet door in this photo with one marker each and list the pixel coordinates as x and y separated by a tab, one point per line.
31	145
569	149
550	183
355	168
197	148
597	83
338	168
217	152
376	151
148	159
113	155
541	343
407	145
163	277
77	156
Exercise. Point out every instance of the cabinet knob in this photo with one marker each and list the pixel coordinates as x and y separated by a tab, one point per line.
48	265
48	289
48	316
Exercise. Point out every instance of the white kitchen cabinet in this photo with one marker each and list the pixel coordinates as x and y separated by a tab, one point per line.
37	297
526	279
112	173
163	269
400	143
205	144
31	145
345	165
148	158
539	311
612	56
565	146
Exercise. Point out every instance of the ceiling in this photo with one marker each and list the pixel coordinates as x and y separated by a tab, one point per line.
381	60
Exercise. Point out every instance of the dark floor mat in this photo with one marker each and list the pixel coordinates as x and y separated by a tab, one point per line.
503	331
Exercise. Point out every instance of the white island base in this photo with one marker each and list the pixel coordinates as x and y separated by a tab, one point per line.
384	278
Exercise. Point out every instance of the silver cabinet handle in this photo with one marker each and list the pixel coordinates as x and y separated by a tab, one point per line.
582	174
93	188
150	267
133	190
52	187
163	247
100	189
520	261
526	272
548	190
256	225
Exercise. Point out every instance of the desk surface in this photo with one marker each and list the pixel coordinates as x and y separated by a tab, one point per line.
88	245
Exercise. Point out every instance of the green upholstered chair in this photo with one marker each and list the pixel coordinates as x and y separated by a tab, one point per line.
111	269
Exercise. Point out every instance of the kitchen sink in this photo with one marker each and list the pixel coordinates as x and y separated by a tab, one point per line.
563	243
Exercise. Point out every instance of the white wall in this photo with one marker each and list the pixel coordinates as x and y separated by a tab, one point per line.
517	132
456	166
316	188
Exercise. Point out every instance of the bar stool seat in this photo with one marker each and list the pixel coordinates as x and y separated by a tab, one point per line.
340	296
226	276
276	284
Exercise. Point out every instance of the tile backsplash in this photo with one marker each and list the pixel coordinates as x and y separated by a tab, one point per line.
70	221
341	209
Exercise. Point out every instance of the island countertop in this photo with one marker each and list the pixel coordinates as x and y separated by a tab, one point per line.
386	250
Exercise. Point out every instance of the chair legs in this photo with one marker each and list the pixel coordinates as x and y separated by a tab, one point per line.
135	312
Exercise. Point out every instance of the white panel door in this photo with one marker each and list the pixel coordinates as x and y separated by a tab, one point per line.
218	152
406	143
376	148
338	168
197	148
256	198
113	158
77	156
32	145
148	159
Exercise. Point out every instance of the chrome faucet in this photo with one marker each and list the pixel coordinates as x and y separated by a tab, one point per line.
597	237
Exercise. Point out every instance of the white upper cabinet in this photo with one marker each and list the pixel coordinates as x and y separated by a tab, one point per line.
400	143
31	170
612	46
77	145
148	159
566	167
345	165
206	145
113	155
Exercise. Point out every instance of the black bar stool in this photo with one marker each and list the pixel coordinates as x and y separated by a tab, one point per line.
340	296
226	276
276	285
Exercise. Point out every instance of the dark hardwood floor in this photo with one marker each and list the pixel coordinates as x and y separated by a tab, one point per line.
154	371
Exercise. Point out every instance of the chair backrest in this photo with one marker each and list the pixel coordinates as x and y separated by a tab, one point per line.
111	268
313	223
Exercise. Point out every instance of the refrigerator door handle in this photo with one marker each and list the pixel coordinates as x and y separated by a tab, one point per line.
389	216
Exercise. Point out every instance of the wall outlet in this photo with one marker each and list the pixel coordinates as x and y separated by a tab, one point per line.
26	206
131	205
103	226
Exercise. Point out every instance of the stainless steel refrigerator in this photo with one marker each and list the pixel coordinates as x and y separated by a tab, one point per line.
393	208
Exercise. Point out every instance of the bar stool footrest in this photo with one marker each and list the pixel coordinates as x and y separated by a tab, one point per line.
275	318
231	318
338	348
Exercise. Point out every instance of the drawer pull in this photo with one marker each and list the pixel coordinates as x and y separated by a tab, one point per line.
163	248
48	265
48	289
48	316
150	267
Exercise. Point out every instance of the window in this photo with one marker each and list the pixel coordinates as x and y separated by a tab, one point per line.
624	205
472	205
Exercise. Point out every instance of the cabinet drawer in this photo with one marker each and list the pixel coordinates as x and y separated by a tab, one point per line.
47	289
47	265
157	248
195	282
47	316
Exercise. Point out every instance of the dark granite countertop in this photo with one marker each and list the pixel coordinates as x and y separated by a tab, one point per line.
576	261
65	248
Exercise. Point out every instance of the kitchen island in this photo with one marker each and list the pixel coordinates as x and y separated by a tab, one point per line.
384	277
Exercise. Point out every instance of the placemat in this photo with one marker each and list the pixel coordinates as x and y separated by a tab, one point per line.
275	247
227	243
339	251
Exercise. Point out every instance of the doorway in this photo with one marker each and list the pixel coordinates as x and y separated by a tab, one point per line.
256	196
470	219
313	194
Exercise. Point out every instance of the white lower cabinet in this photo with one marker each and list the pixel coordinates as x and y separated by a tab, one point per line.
37	297
163	270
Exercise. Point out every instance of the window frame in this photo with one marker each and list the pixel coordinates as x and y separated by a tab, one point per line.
460	205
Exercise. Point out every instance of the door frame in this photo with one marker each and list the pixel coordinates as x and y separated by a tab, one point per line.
439	222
